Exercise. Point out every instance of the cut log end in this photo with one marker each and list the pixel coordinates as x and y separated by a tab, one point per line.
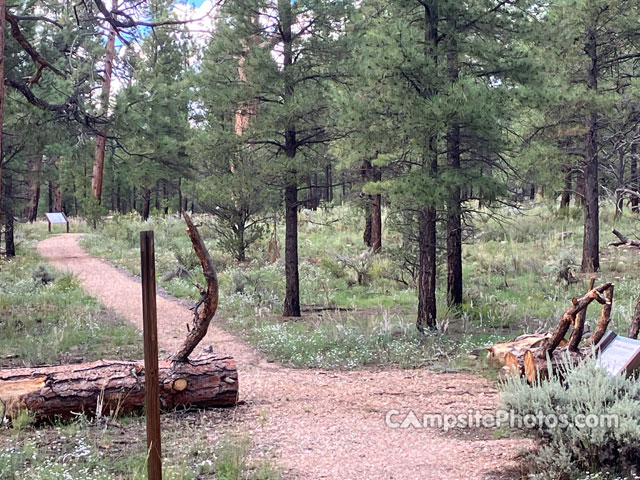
180	384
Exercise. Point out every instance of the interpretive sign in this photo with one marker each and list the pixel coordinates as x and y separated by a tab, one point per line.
57	217
621	355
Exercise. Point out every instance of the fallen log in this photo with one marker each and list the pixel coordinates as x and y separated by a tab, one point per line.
622	240
112	387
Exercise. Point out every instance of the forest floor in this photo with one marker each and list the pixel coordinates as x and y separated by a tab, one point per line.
323	423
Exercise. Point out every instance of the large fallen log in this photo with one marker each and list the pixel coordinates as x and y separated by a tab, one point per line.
112	387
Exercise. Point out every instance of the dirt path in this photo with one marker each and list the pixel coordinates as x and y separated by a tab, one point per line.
324	424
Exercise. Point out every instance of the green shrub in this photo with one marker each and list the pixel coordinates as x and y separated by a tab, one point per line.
575	446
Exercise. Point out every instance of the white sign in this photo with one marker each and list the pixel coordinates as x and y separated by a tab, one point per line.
622	354
56	217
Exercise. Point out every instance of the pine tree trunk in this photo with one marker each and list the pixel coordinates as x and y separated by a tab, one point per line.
3	31
328	183
579	197
565	198
591	243
292	294
34	165
146	203
634	176
427	270
454	206
9	244
427	217
101	141
619	182
291	306
109	387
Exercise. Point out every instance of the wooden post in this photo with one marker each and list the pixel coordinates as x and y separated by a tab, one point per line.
150	331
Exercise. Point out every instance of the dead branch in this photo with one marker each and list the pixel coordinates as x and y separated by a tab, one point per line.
578	327
16	33
635	321
569	317
623	240
209	302
605	318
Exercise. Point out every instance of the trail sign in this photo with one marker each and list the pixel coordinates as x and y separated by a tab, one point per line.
57	217
620	355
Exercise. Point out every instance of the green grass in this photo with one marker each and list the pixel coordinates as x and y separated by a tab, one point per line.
85	449
46	317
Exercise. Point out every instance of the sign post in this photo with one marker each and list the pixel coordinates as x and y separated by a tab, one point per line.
57	217
150	331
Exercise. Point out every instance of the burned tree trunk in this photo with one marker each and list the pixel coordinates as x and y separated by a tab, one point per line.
109	387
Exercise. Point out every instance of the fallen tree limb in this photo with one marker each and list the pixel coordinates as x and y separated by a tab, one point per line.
623	240
635	321
111	387
569	318
578	327
209	301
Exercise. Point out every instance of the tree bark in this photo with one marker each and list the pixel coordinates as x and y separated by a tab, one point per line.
620	182
578	327
209	302
291	306
569	317
634	328
109	387
565	198
292	293
146	203
591	242
427	270
3	31
454	204
634	176
34	165
427	218
9	244
101	141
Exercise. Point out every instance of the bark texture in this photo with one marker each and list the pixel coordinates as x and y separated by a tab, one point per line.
209	303
591	242
106	387
101	141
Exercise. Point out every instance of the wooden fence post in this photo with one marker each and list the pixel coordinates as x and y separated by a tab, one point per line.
150	331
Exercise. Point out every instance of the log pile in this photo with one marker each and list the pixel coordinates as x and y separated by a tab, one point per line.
110	387
538	356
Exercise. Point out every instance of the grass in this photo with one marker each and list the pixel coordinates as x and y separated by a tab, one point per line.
115	449
46	317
